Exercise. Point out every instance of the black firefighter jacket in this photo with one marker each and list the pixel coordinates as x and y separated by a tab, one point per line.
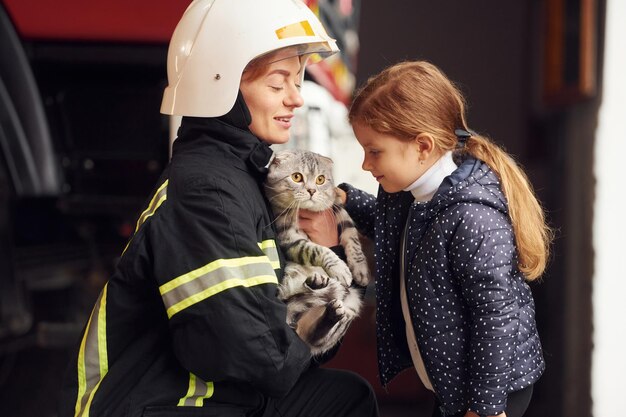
190	317
472	311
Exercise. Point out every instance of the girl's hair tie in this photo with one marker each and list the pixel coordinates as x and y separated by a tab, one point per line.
462	135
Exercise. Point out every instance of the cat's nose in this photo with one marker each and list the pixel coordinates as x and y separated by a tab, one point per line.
311	191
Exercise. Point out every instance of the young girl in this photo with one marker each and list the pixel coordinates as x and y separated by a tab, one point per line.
458	233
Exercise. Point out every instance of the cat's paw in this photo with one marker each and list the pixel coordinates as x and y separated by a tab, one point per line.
360	274
341	273
316	281
335	310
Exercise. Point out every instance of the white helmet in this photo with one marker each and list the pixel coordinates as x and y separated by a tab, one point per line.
216	39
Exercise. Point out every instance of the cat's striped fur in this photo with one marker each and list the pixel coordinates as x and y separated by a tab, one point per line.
317	283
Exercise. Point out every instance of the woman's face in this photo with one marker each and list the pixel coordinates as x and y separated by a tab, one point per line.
394	162
272	98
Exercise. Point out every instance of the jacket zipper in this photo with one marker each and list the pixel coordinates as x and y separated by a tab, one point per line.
405	235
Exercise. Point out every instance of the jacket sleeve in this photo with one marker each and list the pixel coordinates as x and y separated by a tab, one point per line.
482	255
218	284
361	206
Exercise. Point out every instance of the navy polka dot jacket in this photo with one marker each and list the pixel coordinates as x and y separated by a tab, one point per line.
472	311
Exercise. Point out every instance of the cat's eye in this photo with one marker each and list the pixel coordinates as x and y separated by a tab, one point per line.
320	180
296	177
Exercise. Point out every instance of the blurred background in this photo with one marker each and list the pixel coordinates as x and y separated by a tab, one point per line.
82	142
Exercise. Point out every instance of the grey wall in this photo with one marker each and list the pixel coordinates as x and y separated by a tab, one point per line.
482	45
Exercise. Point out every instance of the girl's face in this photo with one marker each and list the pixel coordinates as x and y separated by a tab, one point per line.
394	162
272	98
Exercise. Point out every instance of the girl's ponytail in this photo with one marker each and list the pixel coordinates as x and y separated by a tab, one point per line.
532	234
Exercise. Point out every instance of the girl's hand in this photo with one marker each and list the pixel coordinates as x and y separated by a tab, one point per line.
320	226
473	414
341	194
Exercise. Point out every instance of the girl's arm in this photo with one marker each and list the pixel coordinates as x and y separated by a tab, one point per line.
360	206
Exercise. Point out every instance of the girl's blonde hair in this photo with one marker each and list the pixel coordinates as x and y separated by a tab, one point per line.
411	98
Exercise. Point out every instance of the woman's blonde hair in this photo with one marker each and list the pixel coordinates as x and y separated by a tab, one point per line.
411	98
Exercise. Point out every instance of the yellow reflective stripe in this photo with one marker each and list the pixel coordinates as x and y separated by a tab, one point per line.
103	355
203	295
190	391
269	248
209	393
92	363
82	378
127	245
208	268
302	28
159	197
151	212
88	406
217	276
196	394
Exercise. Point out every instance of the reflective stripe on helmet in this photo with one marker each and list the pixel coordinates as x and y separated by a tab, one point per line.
296	29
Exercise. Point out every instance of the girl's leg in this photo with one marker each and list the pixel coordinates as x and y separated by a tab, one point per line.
518	401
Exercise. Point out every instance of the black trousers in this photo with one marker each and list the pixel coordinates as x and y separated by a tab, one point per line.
322	392
516	404
318	393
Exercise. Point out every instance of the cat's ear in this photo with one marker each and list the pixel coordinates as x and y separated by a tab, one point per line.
329	162
282	156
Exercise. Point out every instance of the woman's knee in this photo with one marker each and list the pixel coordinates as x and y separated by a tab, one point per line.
352	385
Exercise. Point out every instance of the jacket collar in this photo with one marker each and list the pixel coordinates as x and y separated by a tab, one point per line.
230	131
254	154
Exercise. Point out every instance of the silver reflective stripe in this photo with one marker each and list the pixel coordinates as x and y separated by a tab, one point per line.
92	356
159	196
157	199
269	249
215	277
196	394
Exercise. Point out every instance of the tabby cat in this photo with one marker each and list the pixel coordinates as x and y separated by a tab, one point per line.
316	284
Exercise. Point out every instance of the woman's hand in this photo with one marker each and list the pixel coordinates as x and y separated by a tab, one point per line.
320	226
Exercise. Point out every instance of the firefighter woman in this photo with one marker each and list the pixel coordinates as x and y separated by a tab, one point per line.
189	323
